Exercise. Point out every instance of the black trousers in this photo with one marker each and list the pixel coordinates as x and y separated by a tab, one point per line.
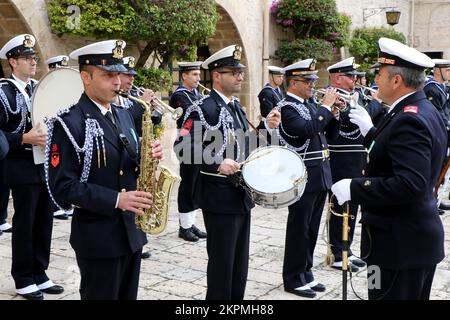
412	284
4	200
32	232
227	245
110	279
335	228
188	174
301	237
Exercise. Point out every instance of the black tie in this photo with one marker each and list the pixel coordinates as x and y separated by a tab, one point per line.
28	90
110	117
237	114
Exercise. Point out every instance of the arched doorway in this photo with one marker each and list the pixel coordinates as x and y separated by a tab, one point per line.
12	23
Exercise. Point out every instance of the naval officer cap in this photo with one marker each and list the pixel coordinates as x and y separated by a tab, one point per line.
229	57
275	70
57	61
189	66
107	55
305	68
346	66
21	45
394	53
441	63
129	63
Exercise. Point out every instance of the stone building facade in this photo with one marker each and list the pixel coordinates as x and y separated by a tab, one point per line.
248	23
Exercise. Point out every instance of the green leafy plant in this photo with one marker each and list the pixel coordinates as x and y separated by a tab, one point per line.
317	28
153	78
364	43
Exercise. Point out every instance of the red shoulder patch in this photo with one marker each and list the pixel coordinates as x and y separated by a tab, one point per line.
54	156
186	128
412	109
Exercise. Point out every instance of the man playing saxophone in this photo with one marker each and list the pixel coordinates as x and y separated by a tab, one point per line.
92	163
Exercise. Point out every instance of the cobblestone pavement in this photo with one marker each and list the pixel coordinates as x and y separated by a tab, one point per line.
177	268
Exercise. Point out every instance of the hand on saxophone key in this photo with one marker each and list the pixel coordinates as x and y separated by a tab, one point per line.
157	150
135	201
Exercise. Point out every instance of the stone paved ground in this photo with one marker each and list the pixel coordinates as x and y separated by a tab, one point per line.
177	268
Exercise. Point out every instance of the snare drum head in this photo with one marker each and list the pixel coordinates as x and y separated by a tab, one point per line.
273	170
58	89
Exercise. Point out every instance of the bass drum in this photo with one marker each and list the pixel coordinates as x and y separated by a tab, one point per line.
59	88
275	176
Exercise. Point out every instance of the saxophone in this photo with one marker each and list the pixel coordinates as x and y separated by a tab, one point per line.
154	220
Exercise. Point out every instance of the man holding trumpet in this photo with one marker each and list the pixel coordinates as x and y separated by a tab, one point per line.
183	97
302	129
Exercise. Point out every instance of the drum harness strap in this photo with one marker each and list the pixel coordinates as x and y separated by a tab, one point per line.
93	134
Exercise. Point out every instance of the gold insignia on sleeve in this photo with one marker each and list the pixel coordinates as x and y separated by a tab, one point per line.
118	50
320	118
27	43
367	183
237	54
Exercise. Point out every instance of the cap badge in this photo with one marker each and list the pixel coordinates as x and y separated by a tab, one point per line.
131	62
64	61
27	43
386	60
118	50
237	53
312	66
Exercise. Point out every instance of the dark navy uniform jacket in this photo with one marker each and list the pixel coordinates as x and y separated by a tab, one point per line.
319	172
18	167
407	151
183	98
216	194
99	230
437	95
268	99
4	145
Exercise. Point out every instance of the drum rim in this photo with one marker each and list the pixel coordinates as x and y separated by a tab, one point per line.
303	176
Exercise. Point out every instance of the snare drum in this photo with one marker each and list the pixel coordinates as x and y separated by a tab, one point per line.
275	176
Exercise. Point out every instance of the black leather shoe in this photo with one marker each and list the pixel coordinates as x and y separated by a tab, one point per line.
306	293
441	212
187	235
198	232
318	288
61	216
444	206
53	290
357	262
36	295
146	255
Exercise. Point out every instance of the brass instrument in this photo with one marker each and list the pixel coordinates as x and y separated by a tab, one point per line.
368	97
205	91
349	99
159	106
154	220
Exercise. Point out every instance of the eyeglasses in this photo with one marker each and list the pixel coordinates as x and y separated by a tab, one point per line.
29	58
235	73
351	76
308	82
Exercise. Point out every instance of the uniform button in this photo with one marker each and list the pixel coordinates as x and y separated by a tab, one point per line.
363	172
367	183
136	169
124	190
121	172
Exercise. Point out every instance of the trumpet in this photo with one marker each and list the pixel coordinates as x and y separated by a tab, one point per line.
369	97
349	99
157	105
205	91
366	88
